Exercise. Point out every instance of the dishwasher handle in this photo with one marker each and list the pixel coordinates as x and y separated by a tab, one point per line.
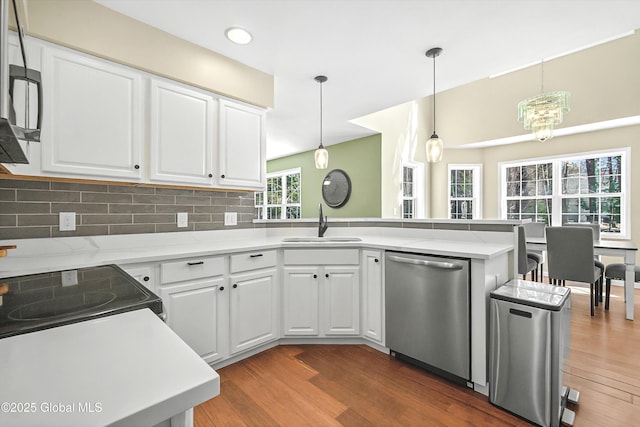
427	263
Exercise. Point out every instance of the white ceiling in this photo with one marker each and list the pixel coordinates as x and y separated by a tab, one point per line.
373	52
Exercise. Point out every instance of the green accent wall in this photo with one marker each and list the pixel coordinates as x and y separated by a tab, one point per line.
359	158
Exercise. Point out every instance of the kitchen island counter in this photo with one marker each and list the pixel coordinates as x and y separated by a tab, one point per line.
126	369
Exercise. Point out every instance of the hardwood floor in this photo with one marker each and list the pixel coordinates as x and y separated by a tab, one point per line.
354	385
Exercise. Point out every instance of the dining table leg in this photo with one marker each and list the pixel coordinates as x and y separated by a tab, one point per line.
629	280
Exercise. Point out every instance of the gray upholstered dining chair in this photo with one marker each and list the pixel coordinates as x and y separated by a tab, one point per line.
526	264
570	257
595	228
617	271
536	229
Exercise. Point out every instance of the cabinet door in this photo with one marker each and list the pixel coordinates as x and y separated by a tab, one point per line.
182	134
372	296
242	146
253	309
341	286
143	274
301	301
194	312
92	117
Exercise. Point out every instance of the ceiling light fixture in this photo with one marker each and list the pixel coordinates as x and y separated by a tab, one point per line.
543	112
321	154
238	35
435	146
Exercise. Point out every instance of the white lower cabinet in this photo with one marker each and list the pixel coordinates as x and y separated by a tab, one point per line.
195	300
145	274
341	295
321	300
253	309
372	296
301	300
195	312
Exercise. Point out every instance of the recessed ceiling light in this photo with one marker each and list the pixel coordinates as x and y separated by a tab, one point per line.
238	35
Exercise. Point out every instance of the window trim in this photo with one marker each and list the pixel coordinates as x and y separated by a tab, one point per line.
418	189
283	211
556	198
476	169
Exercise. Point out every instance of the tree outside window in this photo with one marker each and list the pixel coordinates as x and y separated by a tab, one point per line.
282	198
580	188
464	191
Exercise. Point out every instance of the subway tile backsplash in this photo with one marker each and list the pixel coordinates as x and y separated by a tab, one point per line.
29	208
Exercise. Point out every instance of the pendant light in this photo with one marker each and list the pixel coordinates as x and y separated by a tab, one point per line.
435	146
321	154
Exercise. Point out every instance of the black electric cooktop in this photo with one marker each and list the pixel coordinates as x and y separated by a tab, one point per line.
45	300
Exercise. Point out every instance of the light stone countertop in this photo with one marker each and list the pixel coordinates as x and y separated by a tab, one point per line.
42	255
126	369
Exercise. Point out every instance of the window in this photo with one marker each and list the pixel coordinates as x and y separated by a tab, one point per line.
465	184
581	188
412	192
282	198
408	192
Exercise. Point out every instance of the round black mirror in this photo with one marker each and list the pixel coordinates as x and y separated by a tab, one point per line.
336	188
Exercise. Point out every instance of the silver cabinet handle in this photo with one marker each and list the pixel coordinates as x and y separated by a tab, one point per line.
436	264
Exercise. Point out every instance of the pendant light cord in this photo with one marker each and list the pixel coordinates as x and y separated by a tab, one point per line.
321	145
434	94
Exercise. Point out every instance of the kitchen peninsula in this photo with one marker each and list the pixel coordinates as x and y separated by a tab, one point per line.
211	264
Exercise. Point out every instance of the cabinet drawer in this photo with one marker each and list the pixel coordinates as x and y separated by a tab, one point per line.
191	269
252	261
321	257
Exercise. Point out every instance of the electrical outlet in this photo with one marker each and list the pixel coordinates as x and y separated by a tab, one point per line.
67	221
183	219
231	218
69	277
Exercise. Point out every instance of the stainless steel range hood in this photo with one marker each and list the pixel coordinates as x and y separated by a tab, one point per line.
10	149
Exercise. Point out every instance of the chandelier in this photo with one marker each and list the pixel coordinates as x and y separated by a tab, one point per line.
543	112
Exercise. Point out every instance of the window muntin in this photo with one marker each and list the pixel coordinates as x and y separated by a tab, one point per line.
282	198
408	192
592	191
578	188
464	191
530	191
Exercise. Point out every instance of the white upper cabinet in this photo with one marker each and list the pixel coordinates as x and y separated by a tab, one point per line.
92	118
242	146
182	134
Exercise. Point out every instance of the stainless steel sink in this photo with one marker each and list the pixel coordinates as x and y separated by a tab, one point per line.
320	239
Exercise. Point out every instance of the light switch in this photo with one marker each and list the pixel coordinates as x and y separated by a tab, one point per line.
183	219
67	221
231	218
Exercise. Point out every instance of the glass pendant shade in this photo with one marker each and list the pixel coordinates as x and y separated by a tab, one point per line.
435	148
322	158
541	113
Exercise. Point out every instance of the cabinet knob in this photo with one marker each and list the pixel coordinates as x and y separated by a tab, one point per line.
222	176
145	278
235	285
221	288
376	260
315	276
136	166
326	275
210	175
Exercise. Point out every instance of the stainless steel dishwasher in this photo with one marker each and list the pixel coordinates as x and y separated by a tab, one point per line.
427	312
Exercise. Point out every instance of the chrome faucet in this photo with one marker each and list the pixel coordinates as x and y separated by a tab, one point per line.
322	223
